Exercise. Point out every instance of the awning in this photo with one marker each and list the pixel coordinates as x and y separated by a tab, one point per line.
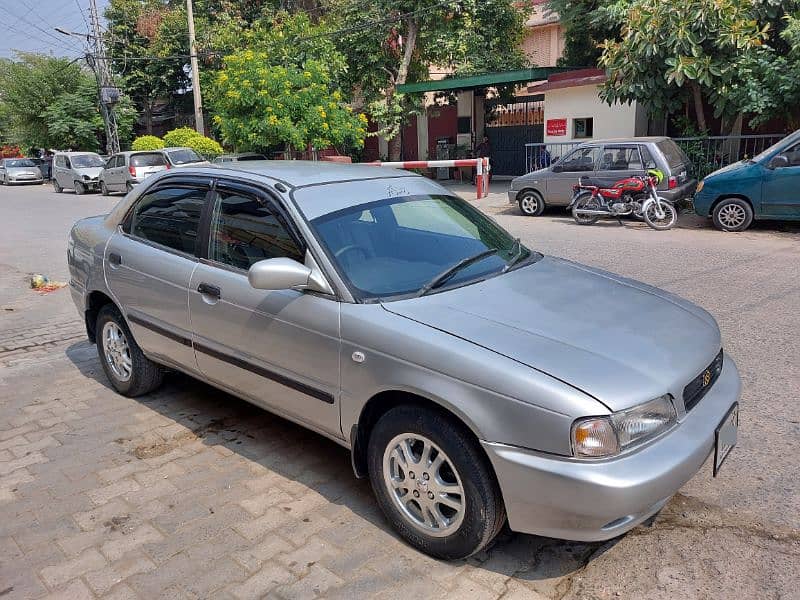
483	80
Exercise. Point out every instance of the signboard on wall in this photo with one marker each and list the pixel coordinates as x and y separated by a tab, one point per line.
556	127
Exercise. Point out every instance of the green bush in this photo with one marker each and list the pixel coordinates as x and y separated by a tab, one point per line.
147	142
180	137
204	146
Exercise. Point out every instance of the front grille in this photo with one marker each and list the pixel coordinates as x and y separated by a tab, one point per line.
698	386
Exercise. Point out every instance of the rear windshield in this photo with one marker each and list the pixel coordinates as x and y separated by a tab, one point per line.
184	157
22	162
153	159
673	153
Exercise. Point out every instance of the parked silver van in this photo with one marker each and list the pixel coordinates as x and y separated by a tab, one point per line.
126	169
78	171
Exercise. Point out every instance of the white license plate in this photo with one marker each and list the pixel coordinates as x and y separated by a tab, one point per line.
725	437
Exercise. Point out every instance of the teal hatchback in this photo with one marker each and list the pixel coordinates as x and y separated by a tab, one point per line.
764	187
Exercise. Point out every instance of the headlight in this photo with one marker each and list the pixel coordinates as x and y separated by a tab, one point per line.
609	435
700	186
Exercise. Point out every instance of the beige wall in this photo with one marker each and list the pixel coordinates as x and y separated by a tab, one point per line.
620	120
543	44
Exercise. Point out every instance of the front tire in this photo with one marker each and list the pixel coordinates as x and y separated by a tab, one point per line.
530	203
433	483
666	222
130	372
732	214
79	188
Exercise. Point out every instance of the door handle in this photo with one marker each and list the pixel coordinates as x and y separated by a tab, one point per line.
114	258
209	290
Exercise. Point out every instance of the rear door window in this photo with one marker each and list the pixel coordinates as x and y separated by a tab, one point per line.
620	158
150	159
169	217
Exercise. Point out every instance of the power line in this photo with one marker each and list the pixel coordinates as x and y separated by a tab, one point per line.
57	40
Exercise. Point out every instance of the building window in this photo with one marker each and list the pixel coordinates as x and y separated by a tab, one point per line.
583	128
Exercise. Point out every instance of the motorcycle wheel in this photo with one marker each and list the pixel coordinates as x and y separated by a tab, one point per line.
669	220
585	201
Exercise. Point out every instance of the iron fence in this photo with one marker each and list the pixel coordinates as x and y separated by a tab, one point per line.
706	154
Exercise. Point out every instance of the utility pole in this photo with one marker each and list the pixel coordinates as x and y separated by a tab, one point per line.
198	99
109	94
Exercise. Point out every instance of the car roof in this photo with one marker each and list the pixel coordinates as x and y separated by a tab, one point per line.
654	139
296	173
77	153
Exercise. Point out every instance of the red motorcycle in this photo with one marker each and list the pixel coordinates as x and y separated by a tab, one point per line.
637	196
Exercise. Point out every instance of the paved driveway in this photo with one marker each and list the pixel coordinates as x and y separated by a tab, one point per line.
190	493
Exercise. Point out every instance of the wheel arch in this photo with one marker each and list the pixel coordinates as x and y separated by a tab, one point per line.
382	402
530	188
95	301
722	197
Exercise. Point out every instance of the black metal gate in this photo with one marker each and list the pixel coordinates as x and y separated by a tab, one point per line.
508	147
509	127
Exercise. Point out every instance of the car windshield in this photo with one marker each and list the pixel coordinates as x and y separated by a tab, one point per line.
83	161
776	146
20	162
151	159
395	247
184	156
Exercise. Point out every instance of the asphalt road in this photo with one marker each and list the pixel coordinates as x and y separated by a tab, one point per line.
737	535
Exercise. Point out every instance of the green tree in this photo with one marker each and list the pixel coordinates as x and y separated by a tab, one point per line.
668	55
148	43
388	43
52	102
584	30
259	104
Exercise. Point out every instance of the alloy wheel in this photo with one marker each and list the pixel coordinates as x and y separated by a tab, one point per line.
529	204
117	352
732	216
424	484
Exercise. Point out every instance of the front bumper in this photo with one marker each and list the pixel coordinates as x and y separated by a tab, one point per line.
512	196
597	500
15	180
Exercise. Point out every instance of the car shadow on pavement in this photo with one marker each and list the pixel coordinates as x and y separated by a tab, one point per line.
304	459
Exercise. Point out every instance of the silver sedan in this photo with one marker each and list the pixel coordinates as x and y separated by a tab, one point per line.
19	170
475	381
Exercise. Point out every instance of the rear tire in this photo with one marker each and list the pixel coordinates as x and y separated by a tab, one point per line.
130	372
732	214
128	188
587	201
433	483
530	203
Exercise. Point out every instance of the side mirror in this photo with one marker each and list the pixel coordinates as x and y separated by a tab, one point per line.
556	168
778	162
286	274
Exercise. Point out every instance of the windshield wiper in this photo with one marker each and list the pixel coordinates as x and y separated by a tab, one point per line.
448	273
518	255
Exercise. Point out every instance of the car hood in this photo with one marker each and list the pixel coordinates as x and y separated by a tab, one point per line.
618	340
89	171
530	176
732	169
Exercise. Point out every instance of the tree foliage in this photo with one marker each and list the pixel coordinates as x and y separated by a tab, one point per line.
52	103
667	53
259	105
147	142
388	43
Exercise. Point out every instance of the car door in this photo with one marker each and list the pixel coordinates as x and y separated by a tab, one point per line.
2	170
278	348
619	161
780	195
567	171
149	263
62	167
107	173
